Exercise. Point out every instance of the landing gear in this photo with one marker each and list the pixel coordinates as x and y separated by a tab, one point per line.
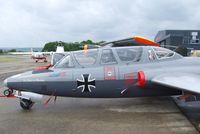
8	92
26	104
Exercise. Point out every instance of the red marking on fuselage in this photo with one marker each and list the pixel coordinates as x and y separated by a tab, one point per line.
130	79
43	67
141	79
109	73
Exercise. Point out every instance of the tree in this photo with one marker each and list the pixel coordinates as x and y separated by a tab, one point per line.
68	46
1	51
101	42
12	50
87	42
51	46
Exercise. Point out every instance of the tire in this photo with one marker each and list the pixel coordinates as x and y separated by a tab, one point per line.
10	90
26	104
7	92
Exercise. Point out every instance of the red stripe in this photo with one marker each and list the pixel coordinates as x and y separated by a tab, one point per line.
11	96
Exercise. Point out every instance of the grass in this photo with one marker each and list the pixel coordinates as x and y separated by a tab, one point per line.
4	58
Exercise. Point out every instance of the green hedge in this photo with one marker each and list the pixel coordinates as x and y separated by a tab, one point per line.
70	46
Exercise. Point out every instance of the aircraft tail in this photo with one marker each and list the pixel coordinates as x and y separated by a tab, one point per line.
31	53
60	49
31	50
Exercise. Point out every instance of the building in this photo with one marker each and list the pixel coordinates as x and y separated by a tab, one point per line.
173	39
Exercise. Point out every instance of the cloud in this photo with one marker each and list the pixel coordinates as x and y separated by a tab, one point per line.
35	22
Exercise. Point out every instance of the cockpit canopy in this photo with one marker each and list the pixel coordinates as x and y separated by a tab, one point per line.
118	55
129	54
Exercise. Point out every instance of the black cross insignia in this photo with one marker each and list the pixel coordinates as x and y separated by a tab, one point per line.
86	83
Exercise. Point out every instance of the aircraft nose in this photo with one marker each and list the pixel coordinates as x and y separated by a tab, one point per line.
12	81
17	81
5	82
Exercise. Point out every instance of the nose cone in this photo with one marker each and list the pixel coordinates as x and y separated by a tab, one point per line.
16	81
5	82
12	81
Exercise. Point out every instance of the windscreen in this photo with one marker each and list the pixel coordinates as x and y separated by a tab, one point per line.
56	57
86	58
66	62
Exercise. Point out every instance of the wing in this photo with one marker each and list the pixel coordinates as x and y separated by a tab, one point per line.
182	81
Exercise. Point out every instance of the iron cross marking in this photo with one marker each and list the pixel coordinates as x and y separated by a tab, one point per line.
86	83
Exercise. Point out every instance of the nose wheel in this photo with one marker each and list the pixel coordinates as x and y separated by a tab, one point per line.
26	104
8	92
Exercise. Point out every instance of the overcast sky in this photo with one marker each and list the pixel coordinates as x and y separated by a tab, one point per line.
32	23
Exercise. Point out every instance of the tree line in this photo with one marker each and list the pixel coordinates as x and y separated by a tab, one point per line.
3	51
68	46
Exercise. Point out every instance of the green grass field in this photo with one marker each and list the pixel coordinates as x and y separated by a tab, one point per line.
4	58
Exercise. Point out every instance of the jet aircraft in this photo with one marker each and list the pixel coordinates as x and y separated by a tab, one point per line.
109	72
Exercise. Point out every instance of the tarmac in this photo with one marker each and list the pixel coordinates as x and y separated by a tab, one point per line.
160	115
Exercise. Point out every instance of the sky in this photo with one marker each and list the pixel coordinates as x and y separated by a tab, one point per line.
32	23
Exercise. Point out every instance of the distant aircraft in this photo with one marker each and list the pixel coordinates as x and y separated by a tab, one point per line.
110	72
37	56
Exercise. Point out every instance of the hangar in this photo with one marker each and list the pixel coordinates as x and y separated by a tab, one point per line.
179	38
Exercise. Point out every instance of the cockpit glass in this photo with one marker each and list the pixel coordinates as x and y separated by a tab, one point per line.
130	54
56	57
66	62
86	58
107	57
163	53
